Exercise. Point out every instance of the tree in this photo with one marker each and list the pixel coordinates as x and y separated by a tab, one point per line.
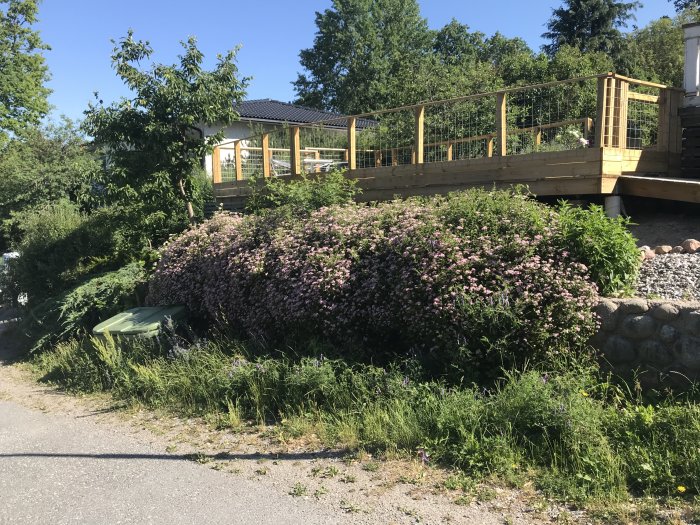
360	48
682	5
41	166
454	43
23	73
589	25
153	141
656	52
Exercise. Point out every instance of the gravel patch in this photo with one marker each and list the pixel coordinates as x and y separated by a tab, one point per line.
671	276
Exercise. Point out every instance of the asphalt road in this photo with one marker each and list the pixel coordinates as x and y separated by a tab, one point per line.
58	470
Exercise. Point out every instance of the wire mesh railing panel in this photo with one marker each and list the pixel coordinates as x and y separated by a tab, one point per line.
279	154
324	147
551	118
642	117
388	139
459	130
227	158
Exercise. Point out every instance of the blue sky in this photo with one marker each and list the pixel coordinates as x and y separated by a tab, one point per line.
271	33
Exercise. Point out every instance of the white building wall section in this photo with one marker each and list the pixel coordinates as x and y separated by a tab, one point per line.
238	130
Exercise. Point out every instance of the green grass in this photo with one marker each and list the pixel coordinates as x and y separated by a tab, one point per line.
579	437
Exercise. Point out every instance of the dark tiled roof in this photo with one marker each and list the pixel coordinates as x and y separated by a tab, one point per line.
276	111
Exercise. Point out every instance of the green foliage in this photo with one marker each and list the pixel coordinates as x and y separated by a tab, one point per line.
23	72
589	25
303	195
566	428
59	246
41	166
153	141
681	5
79	309
360	49
657	52
605	245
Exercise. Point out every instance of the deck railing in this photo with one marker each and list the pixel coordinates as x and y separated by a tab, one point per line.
603	111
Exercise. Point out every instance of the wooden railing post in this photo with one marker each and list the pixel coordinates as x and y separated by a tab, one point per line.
295	150
450	151
501	124
669	130
317	156
266	154
352	144
588	129
238	159
216	165
675	140
601	120
419	135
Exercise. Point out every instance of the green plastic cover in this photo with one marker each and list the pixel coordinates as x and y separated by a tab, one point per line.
142	322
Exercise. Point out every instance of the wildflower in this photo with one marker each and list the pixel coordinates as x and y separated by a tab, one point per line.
681	489
584	393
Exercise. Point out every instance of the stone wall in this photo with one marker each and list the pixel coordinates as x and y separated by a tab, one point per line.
659	339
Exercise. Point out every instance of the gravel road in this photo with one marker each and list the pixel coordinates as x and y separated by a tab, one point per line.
54	469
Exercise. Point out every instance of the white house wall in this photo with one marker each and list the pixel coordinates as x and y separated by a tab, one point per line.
237	130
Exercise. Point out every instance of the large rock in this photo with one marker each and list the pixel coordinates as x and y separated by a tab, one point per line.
634	306
663	250
619	350
690	245
665	311
689	350
654	353
607	312
667	334
638	326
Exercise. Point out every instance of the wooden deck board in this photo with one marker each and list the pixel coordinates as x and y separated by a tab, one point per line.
684	190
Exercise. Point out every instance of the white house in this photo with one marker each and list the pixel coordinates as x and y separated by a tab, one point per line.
266	115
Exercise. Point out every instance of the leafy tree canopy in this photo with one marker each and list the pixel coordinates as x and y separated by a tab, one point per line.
360	48
589	25
23	73
682	5
40	166
153	139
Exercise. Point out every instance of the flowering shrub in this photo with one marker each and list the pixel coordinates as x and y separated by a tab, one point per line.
461	280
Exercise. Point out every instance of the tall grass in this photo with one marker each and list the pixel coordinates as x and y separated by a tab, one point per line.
571	431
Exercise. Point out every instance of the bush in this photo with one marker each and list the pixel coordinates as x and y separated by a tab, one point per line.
605	244
303	195
470	281
59	247
78	310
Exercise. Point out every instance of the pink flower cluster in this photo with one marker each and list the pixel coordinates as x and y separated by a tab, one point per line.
396	273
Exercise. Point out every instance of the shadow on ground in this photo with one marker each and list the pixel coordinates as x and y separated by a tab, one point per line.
199	458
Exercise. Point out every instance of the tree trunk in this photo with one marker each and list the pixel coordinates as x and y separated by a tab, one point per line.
190	209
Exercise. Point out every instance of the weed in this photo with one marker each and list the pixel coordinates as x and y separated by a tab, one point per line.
372	466
349	507
348	478
298	490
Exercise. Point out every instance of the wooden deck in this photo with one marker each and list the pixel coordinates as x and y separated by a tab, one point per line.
627	154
